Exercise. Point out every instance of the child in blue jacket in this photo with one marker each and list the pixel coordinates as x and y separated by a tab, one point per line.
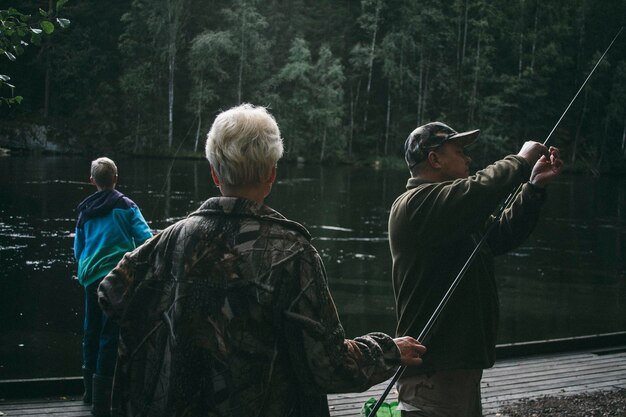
109	225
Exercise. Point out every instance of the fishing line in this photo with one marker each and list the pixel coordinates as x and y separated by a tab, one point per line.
509	201
169	169
583	85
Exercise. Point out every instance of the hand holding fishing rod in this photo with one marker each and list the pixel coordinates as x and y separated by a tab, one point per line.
434	155
411	350
546	165
546	168
532	151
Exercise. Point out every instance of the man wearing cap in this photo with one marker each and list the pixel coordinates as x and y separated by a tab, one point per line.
433	228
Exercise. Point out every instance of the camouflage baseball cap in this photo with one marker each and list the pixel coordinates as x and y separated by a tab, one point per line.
431	136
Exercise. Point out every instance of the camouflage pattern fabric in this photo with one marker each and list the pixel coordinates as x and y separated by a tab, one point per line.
228	313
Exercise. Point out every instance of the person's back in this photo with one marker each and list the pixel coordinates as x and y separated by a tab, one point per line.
109	225
107	237
208	333
228	313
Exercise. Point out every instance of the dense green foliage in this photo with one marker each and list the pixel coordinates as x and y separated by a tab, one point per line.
17	31
346	80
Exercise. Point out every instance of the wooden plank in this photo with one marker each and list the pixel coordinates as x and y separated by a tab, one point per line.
569	362
515	379
509	381
553	375
552	371
34	413
526	391
54	407
579	367
538	391
34	404
507	399
37	403
542	363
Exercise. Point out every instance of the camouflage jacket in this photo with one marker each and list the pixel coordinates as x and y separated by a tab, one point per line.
228	313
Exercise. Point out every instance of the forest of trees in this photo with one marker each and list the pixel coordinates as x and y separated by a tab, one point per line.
347	80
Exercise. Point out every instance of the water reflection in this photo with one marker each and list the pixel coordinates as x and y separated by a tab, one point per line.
568	279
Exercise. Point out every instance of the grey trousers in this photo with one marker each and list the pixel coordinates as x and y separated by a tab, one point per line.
454	393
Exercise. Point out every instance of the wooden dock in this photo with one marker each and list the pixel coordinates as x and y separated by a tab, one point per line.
516	379
509	381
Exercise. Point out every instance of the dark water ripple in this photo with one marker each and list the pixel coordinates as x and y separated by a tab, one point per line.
568	279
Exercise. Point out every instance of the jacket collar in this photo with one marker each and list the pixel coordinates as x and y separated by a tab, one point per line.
233	206
415	182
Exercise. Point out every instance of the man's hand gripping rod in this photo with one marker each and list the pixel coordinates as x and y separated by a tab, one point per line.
507	203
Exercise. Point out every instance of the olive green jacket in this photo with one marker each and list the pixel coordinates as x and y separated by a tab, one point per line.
228	313
433	228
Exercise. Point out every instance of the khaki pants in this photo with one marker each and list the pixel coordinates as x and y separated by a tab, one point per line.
453	393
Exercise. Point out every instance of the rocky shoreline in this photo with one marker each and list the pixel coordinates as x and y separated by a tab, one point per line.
595	404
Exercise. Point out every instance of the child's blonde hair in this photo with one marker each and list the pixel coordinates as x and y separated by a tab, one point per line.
104	172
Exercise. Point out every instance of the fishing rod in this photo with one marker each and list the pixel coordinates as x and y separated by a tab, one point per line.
506	204
168	176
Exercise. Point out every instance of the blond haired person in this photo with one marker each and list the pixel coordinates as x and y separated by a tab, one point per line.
228	312
109	225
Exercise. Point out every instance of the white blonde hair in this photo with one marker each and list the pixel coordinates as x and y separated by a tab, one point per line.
243	145
104	172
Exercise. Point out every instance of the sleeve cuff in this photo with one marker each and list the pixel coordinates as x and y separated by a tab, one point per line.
537	191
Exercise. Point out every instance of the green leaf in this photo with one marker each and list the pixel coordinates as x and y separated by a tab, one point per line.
35	38
18	99
9	55
47	27
63	22
15	39
43	12
60	4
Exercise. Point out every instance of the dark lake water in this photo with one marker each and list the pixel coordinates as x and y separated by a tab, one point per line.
569	279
